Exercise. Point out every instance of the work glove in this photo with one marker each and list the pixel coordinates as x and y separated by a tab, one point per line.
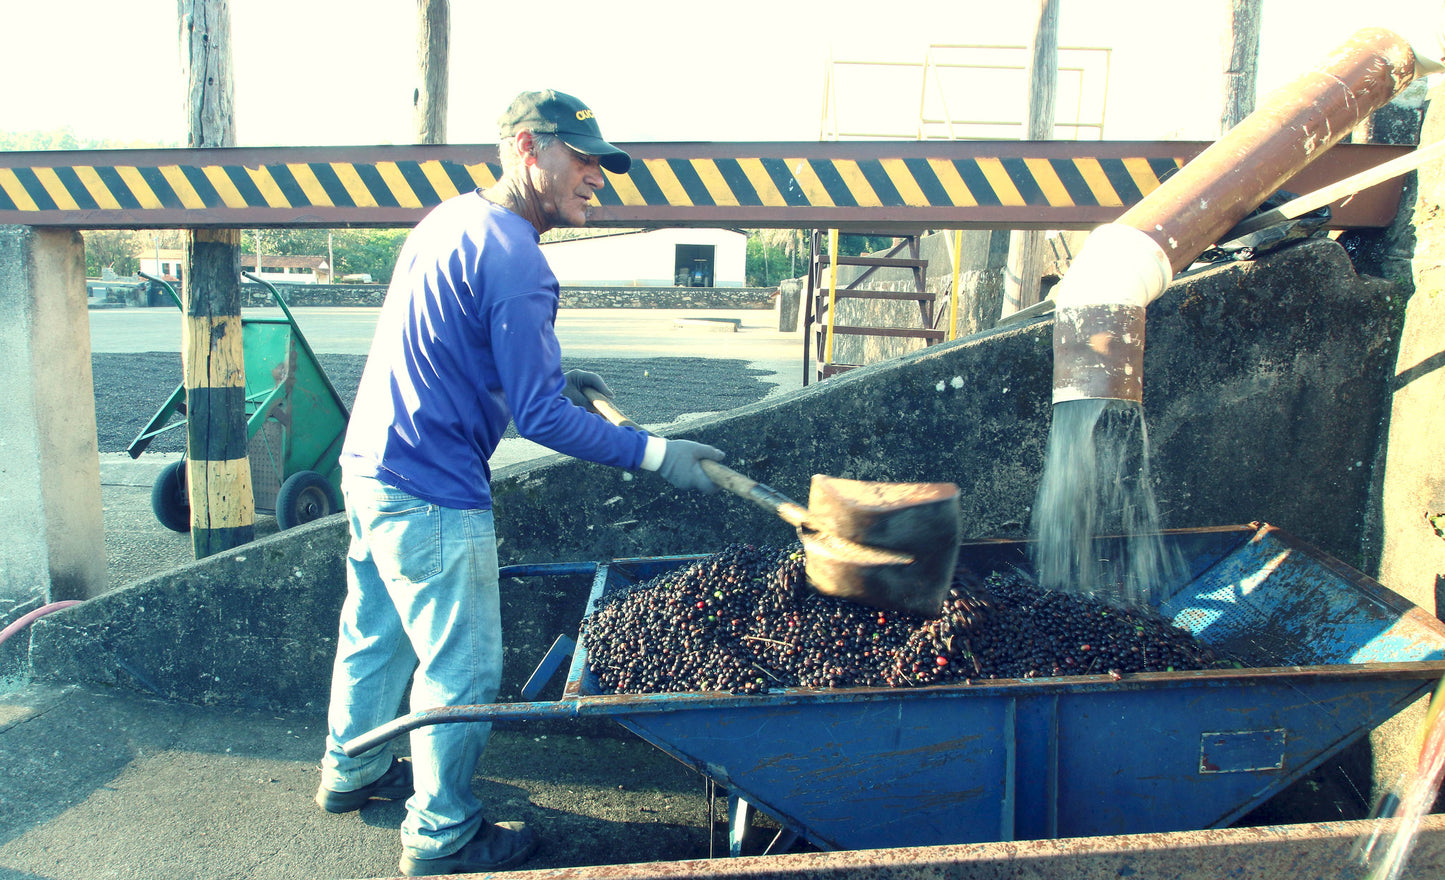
682	465
580	379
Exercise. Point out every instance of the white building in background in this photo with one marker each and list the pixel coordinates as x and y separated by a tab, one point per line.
169	264
288	269
164	263
651	258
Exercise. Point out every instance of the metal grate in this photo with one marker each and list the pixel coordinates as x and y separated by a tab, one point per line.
267	457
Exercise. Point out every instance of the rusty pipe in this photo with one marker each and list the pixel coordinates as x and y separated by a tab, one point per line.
1125	265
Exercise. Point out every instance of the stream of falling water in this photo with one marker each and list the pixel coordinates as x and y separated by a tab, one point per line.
1385	850
1095	483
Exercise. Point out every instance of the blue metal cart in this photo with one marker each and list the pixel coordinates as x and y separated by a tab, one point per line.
862	768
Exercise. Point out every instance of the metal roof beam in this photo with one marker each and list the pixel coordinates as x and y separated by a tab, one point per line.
850	185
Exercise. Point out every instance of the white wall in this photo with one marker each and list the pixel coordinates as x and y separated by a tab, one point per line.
644	259
171	266
278	276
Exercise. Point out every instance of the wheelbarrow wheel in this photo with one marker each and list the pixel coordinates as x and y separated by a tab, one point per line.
304	496
169	499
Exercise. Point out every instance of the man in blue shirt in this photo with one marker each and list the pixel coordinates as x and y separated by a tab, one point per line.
464	344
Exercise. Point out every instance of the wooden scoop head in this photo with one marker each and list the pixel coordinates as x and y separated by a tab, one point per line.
921	521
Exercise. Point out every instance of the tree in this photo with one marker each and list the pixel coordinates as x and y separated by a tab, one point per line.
355	251
433	47
121	250
368	251
113	249
855	245
765	262
1241	62
65	138
776	254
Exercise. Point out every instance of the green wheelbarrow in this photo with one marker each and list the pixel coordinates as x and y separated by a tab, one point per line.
295	424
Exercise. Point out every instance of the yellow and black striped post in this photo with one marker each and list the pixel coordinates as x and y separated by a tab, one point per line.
217	469
218	473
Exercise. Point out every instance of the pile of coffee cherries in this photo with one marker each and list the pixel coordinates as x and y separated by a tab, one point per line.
744	621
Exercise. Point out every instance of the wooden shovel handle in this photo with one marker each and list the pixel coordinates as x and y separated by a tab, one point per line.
760	494
725	477
608	411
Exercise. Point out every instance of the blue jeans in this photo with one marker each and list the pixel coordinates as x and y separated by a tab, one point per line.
421	596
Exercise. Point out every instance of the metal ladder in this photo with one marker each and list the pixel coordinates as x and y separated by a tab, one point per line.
824	293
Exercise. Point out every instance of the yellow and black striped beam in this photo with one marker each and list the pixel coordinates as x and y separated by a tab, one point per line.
861	185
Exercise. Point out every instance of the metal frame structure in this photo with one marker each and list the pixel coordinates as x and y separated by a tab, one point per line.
931	68
849	185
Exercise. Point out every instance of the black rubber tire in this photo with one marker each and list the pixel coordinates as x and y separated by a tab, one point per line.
169	499
303	497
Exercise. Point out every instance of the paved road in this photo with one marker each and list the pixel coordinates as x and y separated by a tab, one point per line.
583	333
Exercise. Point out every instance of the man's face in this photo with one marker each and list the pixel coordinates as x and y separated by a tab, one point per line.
565	180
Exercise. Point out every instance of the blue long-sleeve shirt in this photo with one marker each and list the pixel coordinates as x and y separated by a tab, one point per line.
465	342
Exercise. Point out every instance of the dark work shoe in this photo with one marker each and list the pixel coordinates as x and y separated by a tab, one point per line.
394	784
498	847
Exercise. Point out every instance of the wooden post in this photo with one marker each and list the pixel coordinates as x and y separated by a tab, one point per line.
1241	62
218	474
1026	246
429	98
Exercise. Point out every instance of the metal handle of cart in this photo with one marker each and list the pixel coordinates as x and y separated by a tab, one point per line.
560	650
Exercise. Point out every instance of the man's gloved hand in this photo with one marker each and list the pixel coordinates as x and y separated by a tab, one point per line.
580	379
682	465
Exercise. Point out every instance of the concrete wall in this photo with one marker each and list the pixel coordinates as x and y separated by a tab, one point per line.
52	546
299	296
667	297
24	552
1265	390
1406	537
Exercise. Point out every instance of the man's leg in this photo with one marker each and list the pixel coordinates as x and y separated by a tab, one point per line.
453	619
374	659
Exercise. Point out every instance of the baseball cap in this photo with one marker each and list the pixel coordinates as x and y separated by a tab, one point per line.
552	112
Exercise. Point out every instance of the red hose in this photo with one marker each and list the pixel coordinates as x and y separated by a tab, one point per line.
33	616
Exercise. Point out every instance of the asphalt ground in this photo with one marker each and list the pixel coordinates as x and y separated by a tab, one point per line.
118	785
663	365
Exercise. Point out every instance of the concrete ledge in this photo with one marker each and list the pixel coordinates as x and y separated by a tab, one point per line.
1280	852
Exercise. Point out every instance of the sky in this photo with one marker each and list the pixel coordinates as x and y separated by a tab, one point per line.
341	72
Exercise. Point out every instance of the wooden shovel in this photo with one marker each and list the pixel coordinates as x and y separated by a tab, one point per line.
888	545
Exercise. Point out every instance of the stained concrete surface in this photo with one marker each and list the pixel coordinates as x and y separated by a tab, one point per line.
112	784
107	783
1014	399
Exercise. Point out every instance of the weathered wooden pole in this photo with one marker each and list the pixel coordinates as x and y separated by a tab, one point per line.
218	474
1241	62
429	98
1026	246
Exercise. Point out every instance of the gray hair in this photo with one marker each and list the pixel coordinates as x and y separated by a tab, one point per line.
510	156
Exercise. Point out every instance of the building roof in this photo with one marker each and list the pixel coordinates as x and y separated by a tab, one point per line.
248	259
286	261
